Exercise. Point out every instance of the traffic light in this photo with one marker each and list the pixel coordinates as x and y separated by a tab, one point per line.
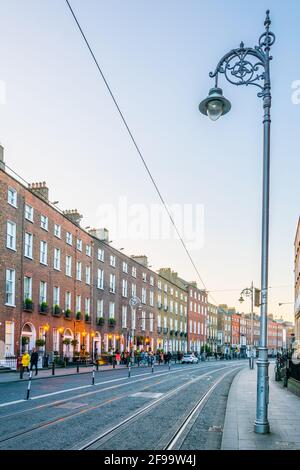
257	297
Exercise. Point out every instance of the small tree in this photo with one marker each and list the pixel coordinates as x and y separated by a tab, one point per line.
78	316
67	341
25	340
74	342
101	321
40	342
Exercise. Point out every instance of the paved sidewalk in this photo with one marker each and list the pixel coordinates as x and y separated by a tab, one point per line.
47	373
284	415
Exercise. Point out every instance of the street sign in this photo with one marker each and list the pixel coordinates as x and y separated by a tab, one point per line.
257	301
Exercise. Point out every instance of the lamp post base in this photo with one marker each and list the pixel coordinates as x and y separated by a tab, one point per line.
261	428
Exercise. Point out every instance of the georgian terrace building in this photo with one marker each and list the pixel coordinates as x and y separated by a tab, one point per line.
172	312
197	317
212	326
296	344
59	282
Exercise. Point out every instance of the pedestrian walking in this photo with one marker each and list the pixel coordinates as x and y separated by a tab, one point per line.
118	357
26	361
161	358
34	360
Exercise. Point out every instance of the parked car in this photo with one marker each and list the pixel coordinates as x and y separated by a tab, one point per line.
189	359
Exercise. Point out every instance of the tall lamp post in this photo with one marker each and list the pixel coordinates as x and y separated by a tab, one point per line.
251	66
46	329
134	303
249	292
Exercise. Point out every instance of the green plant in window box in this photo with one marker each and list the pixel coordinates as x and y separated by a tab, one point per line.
28	304
44	307
68	313
78	316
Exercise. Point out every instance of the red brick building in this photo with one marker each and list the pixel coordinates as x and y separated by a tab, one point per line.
235	330
64	285
197	317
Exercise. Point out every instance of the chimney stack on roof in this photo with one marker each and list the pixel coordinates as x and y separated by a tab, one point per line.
141	259
101	233
40	189
73	215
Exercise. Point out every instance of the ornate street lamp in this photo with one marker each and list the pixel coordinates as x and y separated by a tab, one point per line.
46	329
249	292
135	303
251	66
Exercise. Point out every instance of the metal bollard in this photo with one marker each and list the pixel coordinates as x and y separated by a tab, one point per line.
53	368
97	365
169	366
129	370
93	375
29	385
21	371
77	367
152	368
114	364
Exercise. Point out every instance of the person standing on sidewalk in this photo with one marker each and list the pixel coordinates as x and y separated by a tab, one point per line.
34	360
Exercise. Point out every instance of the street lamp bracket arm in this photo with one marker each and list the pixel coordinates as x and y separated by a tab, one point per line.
248	65
247	291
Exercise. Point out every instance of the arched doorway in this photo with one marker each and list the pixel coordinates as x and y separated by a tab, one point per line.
28	337
97	343
67	346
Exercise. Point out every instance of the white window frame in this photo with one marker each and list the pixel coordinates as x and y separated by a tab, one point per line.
69	238
112	283
111	309
68	266
100	254
14	201
43	290
28	214
88	275
10	278
124	316
44	253
28	247
78	270
57	230
56	296
44	222
27	290
11	235
99	308
56	259
100	278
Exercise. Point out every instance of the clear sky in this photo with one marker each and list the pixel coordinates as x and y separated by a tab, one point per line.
59	124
